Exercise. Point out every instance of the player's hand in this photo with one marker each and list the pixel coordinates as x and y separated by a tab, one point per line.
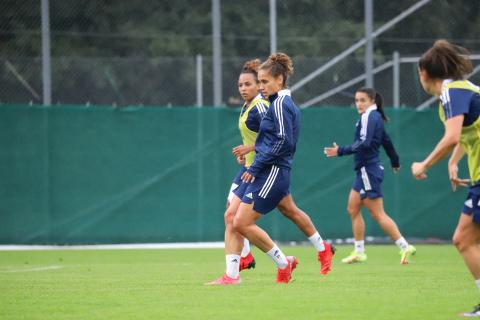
247	177
396	169
241	160
241	150
454	179
331	151
418	170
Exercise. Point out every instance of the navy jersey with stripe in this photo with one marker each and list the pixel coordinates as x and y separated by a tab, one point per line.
463	97
255	115
460	97
370	134
278	135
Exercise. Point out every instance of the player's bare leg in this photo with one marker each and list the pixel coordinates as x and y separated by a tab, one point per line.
325	251
358	227
467	241
244	223
375	206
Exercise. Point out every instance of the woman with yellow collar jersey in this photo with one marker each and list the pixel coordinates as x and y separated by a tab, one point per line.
442	70
253	110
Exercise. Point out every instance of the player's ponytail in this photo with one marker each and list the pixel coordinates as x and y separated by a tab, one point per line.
377	97
279	64
379	103
446	61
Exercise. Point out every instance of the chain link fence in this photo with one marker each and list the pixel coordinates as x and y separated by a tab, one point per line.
144	53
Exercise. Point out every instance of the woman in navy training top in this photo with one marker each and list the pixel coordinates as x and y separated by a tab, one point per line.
268	178
366	190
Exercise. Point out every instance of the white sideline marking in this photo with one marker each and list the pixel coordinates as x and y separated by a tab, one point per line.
32	269
178	245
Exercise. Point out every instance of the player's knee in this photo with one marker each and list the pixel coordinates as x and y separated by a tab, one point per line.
238	224
291	212
229	216
352	211
458	242
375	216
282	208
286	211
378	215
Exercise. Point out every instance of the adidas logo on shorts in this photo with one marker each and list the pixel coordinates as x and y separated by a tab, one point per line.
249	195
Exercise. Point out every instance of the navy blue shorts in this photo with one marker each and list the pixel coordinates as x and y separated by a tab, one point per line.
237	187
268	189
472	204
368	181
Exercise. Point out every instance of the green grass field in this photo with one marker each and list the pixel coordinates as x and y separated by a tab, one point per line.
169	284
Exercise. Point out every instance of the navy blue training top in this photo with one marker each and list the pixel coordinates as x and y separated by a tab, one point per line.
370	134
278	135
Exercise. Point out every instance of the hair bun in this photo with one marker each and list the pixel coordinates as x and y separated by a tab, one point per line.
282	59
251	66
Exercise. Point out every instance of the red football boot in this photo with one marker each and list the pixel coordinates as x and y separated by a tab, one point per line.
225	280
247	262
284	275
325	257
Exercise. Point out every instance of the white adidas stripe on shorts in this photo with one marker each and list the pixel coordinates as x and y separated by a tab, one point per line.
269	183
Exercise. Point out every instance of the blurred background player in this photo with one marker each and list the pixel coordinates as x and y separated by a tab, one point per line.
370	135
268	178
442	71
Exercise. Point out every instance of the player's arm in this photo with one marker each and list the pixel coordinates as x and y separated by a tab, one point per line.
242	150
267	154
266	157
365	141
451	137
455	103
391	152
262	159
349	149
241	160
457	155
337	151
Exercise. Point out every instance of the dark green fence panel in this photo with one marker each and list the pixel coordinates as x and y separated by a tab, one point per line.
72	175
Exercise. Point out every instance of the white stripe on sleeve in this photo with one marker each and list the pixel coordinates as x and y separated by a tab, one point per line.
363	130
281	129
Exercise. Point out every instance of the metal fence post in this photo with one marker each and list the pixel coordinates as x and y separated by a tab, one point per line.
369	45
46	66
217	54
199	77
273	26
396	79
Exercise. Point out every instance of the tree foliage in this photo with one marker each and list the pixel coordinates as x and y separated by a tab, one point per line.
103	48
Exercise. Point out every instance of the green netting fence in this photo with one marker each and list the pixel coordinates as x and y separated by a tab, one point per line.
83	175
